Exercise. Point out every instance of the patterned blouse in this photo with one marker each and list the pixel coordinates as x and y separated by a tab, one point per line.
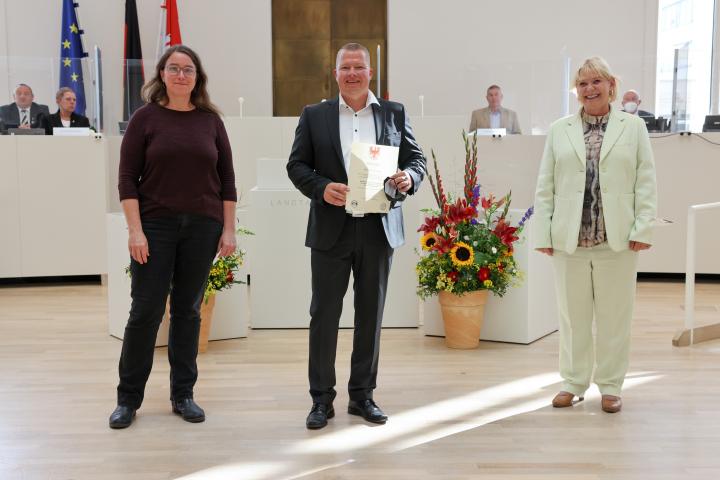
592	225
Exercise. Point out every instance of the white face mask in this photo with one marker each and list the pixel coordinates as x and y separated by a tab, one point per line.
631	107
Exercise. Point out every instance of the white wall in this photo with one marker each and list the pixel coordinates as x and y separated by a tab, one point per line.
232	37
450	51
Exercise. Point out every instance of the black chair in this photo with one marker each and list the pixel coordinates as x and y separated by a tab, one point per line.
712	123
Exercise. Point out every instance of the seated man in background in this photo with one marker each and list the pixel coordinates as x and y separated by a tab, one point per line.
494	115
65	116
24	112
631	104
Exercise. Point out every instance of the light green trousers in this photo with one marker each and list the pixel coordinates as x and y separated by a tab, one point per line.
595	283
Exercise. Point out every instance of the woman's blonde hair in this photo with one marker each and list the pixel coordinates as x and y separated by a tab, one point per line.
598	66
61	93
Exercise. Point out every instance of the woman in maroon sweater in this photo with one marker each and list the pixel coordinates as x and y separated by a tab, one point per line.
177	189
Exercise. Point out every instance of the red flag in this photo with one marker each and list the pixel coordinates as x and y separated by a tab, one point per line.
169	26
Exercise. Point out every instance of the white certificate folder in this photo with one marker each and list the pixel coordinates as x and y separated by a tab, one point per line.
370	165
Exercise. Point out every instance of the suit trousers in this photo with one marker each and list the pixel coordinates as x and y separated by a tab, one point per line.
182	248
595	283
363	249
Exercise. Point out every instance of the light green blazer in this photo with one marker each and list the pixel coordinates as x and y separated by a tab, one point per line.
627	183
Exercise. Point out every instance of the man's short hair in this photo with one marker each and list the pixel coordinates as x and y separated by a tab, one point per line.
493	87
633	92
23	85
352	47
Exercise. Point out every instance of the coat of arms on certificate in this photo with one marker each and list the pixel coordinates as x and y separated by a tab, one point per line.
370	165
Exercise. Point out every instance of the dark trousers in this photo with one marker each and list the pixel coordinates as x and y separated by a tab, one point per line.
182	248
362	248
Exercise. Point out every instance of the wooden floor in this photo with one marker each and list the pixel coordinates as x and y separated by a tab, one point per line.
453	414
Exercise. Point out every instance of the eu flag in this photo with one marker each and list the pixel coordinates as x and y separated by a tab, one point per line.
71	54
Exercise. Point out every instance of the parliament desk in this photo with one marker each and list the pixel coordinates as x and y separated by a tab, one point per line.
52	206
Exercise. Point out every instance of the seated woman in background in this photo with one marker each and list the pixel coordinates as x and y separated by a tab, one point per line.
65	116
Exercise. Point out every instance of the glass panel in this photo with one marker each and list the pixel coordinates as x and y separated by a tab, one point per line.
685	24
41	74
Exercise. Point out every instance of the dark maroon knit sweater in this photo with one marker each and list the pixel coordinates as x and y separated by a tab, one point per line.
176	162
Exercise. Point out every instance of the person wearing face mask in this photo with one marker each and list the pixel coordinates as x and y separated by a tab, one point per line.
595	206
631	104
495	115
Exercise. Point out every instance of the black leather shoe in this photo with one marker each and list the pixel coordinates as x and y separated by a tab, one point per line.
318	416
189	410
122	416
368	410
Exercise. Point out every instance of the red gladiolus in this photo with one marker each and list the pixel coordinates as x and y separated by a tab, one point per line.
229	278
483	274
453	276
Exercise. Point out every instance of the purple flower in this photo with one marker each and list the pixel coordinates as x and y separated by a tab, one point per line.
476	195
526	216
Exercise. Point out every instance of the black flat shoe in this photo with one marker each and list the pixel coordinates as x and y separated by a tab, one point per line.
318	416
189	410
368	410
121	417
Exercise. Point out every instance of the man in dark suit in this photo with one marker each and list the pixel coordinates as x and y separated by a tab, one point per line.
340	242
65	116
24	112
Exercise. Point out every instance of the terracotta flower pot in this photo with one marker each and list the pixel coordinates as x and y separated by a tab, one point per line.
463	318
206	313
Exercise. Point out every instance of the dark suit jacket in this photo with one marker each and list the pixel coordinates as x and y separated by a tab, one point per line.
51	121
11	116
316	160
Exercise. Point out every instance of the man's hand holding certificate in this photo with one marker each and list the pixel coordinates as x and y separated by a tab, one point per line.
370	165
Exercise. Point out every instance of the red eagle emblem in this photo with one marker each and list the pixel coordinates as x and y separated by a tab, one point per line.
374	152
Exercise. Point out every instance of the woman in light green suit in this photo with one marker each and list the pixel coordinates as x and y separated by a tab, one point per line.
594	209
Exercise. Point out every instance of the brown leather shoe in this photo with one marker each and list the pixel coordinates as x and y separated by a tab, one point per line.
611	403
565	399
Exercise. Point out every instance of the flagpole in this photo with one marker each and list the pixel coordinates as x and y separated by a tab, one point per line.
161	31
379	93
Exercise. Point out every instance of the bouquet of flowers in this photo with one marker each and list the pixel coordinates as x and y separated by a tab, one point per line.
222	273
469	241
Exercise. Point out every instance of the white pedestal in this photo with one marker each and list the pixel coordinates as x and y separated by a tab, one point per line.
526	312
279	262
231	307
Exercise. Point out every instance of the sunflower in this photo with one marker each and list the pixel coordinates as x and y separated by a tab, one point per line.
428	241
462	254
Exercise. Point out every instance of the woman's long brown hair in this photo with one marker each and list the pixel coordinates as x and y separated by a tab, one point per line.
154	91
